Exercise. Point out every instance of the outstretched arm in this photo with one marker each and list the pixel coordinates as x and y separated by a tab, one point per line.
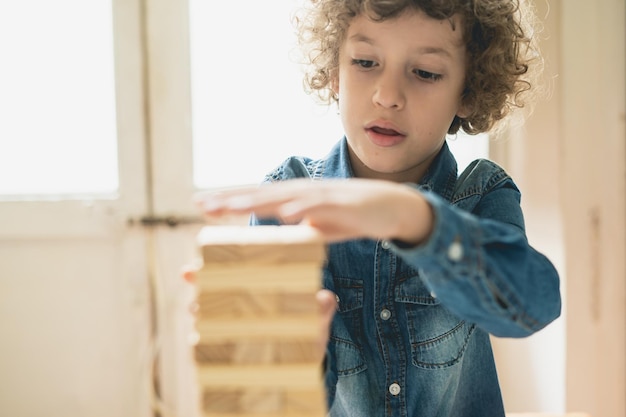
479	265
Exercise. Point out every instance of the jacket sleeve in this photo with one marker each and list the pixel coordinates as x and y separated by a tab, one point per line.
480	266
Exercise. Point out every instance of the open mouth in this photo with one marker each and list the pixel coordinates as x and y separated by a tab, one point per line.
385	136
383	131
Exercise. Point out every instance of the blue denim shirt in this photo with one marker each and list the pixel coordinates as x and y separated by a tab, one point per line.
411	337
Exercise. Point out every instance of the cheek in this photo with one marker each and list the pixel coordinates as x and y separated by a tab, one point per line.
346	98
345	117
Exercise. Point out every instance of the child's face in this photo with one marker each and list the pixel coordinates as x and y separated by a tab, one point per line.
399	85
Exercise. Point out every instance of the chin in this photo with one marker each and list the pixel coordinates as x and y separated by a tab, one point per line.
387	168
383	172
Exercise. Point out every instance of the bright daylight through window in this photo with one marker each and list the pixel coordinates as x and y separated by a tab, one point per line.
58	133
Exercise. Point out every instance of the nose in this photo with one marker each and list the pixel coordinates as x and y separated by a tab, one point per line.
389	92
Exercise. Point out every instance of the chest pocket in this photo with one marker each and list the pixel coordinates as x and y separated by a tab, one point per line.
346	336
438	338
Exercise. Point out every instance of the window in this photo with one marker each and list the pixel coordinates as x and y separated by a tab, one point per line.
58	130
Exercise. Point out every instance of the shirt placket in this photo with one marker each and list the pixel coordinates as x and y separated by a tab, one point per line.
390	339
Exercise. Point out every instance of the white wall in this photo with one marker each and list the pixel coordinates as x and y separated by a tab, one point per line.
569	160
593	184
532	370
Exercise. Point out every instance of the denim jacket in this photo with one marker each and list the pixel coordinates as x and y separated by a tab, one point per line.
411	336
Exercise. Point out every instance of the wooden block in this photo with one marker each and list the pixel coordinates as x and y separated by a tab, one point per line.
258	322
259	403
305	403
240	303
291	276
236	353
294	303
296	351
547	415
263	401
280	327
221	401
295	377
233	402
215	353
281	414
235	304
256	352
260	244
246	352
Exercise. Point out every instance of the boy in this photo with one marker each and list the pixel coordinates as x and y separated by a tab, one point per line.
424	264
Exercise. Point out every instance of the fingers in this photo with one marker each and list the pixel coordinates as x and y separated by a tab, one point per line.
266	202
327	303
189	275
242	201
188	272
225	202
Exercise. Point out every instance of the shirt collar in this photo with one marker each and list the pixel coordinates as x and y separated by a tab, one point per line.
440	177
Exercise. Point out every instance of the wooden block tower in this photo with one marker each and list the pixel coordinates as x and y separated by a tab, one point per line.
258	326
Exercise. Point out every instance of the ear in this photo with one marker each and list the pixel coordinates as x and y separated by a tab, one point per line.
464	110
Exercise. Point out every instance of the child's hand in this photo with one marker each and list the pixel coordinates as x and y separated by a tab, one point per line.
340	209
327	302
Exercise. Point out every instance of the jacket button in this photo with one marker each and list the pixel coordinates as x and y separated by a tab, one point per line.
455	251
385	314
394	389
385	244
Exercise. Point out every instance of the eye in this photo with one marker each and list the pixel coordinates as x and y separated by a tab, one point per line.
364	63
427	76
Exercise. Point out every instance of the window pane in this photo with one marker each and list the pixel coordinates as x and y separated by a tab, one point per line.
248	104
57	123
249	108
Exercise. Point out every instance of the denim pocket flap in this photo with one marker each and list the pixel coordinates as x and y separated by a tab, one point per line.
411	289
349	293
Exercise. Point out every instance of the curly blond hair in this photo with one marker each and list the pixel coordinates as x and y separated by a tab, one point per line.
500	38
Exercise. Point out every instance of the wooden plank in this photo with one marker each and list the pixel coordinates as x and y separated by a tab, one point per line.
292	377
214	305
290	303
547	415
283	414
259	401
219	304
260	244
257	352
256	403
305	402
220	402
291	276
278	328
294	351
247	352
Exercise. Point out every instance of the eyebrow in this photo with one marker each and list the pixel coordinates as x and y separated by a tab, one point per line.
357	37
426	50
434	50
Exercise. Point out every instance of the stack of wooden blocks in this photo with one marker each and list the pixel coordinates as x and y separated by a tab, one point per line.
258	352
